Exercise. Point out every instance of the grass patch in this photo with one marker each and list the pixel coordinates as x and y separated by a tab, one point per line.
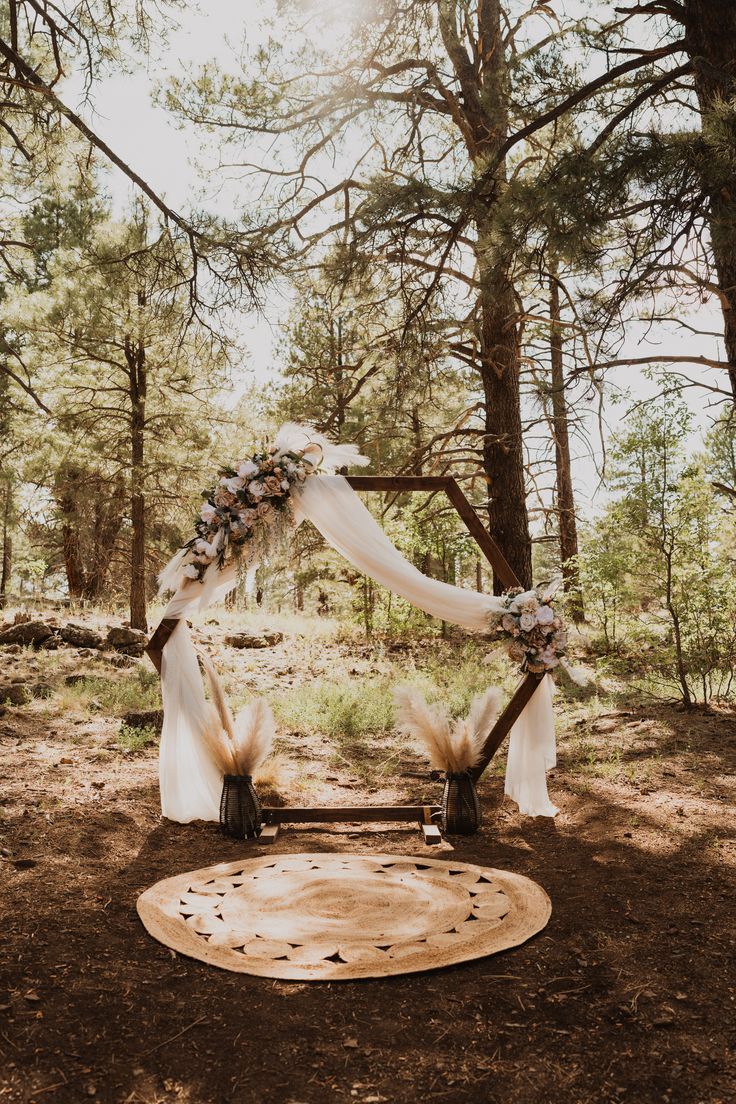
114	695
136	739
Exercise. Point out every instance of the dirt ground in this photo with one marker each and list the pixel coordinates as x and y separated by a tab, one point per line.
627	995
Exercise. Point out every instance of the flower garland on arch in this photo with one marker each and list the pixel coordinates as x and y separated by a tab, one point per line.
246	509
247	512
533	631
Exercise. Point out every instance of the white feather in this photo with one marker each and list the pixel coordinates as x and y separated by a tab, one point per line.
429	725
217	694
469	734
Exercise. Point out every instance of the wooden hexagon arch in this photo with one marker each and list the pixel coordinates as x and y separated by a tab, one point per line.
519	699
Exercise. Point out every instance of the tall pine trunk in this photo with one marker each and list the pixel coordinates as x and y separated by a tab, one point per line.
503	454
563	470
487	112
711	45
136	362
7	564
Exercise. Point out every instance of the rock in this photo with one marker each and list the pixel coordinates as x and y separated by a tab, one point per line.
121	636
12	649
27	632
72	680
17	694
43	691
147	718
80	636
263	640
119	660
126	640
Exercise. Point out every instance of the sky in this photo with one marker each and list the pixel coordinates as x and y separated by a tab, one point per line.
167	157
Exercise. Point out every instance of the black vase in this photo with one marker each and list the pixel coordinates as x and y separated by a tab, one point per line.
460	806
240	810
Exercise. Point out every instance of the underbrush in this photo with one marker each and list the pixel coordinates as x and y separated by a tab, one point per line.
114	695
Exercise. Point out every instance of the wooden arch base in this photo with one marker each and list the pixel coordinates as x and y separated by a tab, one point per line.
427	816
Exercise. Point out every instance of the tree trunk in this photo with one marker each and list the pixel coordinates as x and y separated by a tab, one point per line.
109	508
485	85
503	455
563	470
711	45
7	565
136	359
66	492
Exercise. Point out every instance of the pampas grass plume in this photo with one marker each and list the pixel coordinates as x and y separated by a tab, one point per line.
449	749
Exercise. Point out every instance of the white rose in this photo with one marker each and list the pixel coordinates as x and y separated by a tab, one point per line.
285	484
545	615
246	468
190	572
232	485
208	513
256	489
527	621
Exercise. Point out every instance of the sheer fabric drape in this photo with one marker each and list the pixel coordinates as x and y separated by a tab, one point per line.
190	783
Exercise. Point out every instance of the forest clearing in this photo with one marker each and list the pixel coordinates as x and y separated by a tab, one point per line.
633	965
367	551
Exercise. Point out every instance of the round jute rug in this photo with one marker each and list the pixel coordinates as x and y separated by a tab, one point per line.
328	917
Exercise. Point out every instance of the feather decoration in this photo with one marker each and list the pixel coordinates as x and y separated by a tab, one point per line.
293	437
247	740
255	729
469	733
430	725
217	742
450	749
217	694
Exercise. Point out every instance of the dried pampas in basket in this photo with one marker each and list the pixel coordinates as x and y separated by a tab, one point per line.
238	745
453	747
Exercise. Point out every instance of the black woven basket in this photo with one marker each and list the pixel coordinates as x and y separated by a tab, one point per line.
460	806
240	810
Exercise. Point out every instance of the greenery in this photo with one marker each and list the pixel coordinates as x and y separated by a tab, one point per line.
471	219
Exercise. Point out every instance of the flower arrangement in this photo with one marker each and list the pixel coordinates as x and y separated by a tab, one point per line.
247	511
536	635
250	499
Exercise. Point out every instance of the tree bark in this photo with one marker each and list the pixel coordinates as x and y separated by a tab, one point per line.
711	45
486	101
136	360
107	520
7	565
503	454
563	470
66	494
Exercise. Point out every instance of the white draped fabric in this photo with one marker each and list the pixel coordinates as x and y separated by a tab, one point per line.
190	783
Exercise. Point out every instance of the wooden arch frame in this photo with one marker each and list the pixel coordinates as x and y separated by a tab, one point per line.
425	814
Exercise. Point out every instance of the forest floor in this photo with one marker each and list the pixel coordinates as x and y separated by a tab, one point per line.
626	996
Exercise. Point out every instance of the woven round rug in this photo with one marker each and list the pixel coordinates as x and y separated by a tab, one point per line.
327	917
